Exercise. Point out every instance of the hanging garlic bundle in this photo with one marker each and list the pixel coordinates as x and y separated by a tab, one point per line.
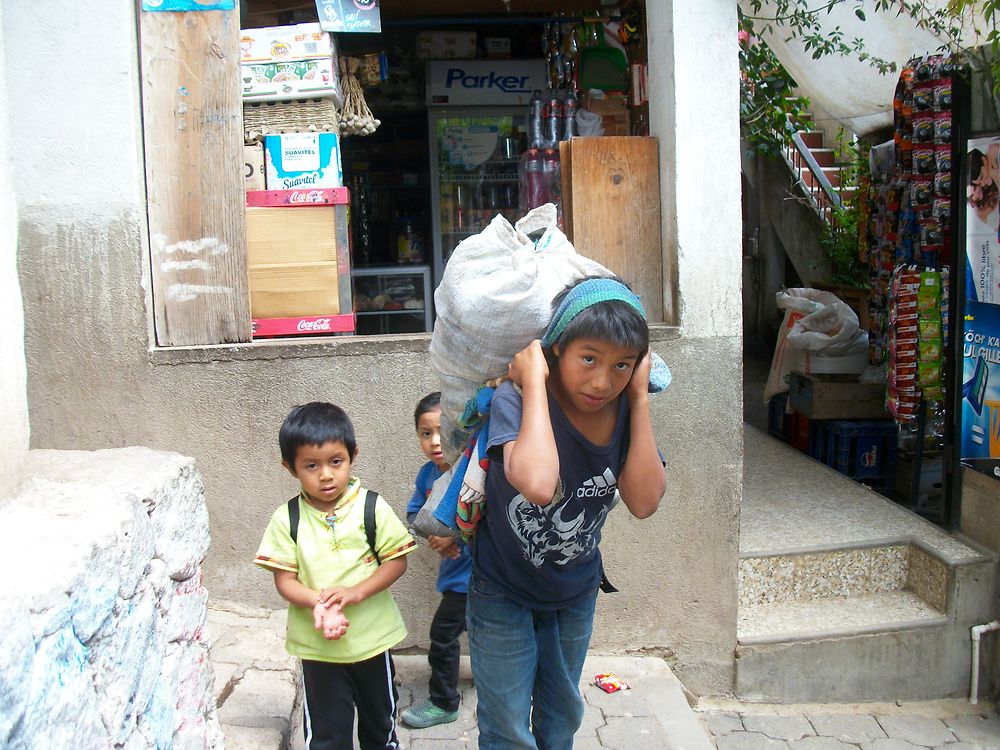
356	118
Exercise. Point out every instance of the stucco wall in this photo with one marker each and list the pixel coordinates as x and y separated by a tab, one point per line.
93	382
13	375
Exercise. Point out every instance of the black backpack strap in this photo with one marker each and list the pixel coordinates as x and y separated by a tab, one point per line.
293	519
370	497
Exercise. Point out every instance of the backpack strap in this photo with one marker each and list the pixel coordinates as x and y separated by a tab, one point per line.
293	519
370	497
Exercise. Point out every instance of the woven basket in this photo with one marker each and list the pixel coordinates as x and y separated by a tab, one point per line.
290	117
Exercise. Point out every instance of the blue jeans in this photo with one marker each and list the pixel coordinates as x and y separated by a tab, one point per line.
526	665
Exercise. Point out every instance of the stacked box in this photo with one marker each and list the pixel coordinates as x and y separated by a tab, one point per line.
281	63
302	160
297	247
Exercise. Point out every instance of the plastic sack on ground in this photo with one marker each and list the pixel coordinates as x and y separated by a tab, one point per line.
495	297
819	333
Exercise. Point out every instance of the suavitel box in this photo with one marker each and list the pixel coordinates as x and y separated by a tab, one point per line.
299	160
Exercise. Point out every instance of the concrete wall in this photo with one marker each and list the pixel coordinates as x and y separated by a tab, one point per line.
981	522
107	648
94	383
13	373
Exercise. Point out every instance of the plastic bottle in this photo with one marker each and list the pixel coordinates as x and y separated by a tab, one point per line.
531	179
536	106
569	116
553	120
552	178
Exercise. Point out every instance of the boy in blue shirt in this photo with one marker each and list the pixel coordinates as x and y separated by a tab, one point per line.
453	582
566	444
342	620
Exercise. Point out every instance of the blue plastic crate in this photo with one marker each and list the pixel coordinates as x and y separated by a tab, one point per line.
777	421
863	450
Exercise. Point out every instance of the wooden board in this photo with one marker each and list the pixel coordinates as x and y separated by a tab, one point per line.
193	137
613	191
290	234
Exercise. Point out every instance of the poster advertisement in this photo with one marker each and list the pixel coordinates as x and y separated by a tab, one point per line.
982	225
349	16
981	388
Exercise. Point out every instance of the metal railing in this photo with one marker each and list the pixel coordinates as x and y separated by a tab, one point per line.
822	196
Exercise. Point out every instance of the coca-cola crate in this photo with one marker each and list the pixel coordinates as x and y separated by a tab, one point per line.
322	325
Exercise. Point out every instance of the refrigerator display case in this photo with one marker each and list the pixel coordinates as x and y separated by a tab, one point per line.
477	111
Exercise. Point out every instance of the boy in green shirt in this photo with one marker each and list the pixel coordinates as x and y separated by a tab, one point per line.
342	620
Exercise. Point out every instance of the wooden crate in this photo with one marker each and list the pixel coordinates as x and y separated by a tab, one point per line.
820	396
295	269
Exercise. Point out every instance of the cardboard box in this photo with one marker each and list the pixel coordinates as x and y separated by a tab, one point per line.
253	167
613	109
446	45
298	79
302	41
819	396
302	160
298	261
497	47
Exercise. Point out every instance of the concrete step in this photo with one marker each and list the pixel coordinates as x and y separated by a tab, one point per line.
812	138
886	624
797	620
825	157
832	174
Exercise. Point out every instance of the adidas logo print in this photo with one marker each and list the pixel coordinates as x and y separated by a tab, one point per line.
606	484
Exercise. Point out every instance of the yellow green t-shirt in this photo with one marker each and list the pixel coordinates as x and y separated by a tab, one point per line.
337	554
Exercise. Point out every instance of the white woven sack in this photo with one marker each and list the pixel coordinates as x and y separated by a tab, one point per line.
495	297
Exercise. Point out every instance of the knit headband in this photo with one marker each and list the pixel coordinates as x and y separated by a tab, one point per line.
583	295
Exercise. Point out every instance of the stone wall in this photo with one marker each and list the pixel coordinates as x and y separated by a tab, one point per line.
103	606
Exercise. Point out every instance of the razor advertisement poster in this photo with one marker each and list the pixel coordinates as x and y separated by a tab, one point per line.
981	388
981	315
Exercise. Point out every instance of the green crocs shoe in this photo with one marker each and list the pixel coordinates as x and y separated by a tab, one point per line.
426	714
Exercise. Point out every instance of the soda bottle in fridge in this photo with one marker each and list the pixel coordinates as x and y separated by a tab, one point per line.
552	178
569	116
531	180
536	108
553	120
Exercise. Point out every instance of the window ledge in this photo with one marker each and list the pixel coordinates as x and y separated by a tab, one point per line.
322	346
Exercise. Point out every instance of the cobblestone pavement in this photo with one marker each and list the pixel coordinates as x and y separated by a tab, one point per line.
257	688
257	692
952	725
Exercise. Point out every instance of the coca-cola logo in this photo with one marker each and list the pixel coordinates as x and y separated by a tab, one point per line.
320	324
306	196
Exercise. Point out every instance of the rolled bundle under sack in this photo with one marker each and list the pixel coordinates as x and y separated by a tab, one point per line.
495	298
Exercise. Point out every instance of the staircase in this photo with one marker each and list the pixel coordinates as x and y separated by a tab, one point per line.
815	168
844	595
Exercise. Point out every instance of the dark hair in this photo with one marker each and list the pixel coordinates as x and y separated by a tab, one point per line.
976	161
315	423
430	402
614	321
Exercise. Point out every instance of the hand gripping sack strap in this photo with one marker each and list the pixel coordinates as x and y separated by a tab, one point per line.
370	497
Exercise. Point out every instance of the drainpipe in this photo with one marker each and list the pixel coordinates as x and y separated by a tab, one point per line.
977	633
